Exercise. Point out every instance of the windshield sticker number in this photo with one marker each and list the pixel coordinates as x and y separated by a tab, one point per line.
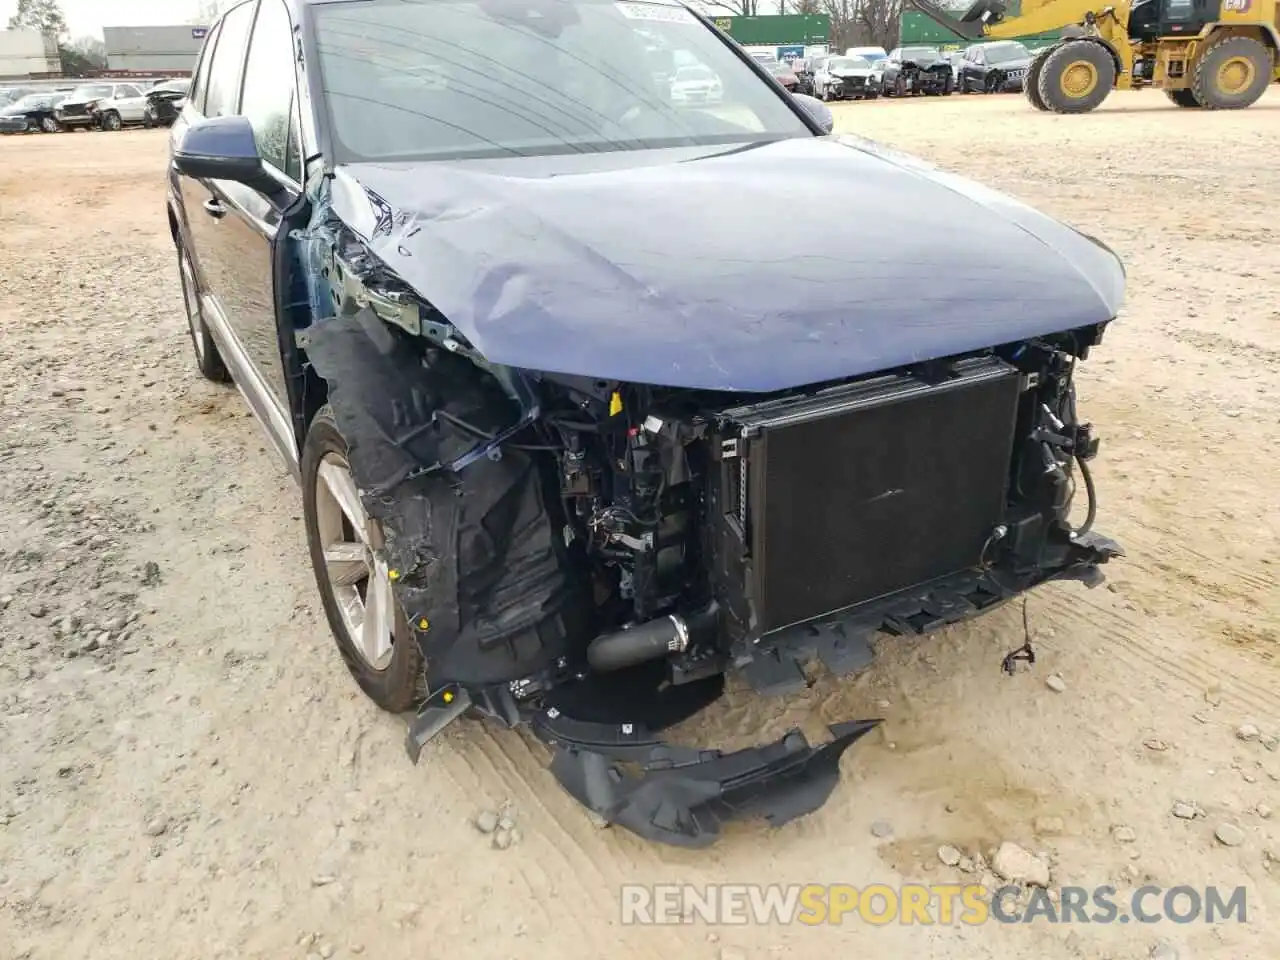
655	12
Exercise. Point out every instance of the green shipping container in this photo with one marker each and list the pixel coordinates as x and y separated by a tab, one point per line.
916	28
777	29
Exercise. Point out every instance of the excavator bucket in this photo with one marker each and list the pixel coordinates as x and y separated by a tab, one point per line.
970	24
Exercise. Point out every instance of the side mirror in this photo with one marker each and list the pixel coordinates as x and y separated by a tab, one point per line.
224	148
817	111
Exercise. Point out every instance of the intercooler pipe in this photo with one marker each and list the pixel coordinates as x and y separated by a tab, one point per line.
651	640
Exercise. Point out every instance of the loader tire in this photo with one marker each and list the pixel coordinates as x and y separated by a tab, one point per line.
1031	84
1233	73
1183	98
1076	77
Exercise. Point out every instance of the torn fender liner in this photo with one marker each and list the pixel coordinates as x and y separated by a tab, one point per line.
477	560
682	795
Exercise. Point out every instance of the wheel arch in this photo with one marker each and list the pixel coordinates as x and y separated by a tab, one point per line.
1265	33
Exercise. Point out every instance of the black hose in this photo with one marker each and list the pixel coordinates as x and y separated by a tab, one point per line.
1092	493
635	645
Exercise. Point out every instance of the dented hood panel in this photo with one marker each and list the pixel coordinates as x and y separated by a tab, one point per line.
749	269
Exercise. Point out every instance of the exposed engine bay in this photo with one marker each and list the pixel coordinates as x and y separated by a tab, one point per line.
592	557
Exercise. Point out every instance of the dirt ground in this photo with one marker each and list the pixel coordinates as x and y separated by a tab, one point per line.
186	770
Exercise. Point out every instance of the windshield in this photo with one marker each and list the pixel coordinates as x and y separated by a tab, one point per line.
90	92
33	101
847	64
453	79
919	53
172	86
1005	52
781	68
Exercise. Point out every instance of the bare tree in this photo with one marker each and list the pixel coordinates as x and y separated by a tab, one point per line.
44	16
806	7
92	49
844	16
878	22
738	8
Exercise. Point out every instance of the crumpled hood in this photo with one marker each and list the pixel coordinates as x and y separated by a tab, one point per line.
751	269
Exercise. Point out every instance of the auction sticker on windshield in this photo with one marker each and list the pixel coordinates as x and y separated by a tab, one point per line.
654	11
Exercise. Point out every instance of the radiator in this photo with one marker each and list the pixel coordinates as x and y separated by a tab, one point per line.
857	492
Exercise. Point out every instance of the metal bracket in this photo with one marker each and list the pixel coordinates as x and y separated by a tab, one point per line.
441	709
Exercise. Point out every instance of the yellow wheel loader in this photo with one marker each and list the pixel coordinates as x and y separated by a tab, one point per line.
1216	54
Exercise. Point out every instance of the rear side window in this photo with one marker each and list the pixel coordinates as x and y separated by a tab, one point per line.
202	71
269	89
127	91
223	95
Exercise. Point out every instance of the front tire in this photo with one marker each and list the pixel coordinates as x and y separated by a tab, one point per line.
1183	98
1076	77
111	121
1232	74
50	125
1031	82
364	616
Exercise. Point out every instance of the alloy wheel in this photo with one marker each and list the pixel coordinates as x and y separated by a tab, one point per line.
357	576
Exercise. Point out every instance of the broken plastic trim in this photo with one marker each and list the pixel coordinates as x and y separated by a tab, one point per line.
681	795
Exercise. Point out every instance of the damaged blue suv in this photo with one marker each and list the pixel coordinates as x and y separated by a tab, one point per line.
576	438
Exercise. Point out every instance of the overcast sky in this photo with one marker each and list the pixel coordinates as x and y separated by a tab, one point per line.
90	16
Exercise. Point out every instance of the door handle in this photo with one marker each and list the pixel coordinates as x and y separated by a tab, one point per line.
214	209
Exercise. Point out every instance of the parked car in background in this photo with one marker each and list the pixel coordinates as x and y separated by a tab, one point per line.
32	113
911	70
697	84
785	75
107	105
803	69
164	102
845	78
994	67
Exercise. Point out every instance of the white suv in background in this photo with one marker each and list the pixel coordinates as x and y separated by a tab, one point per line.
106	105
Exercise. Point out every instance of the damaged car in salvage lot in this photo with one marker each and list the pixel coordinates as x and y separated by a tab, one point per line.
576	440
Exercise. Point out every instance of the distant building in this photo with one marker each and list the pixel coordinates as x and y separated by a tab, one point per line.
169	50
26	53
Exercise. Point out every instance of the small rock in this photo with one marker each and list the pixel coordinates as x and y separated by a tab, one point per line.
327	951
1184	810
1247	732
38	610
150	573
1012	863
486	821
1164	950
5	601
90	645
949	855
1263	811
882	829
306	940
1055	683
506	823
1156	744
156	826
1049	825
1229	835
1123	834
323	880
950	807
502	839
967	865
